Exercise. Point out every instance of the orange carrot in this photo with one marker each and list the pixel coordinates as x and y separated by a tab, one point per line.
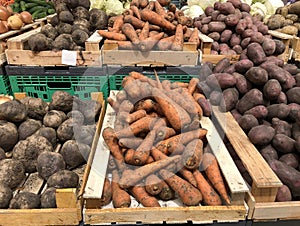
164	133
118	125
153	184
126	45
166	193
175	114
187	34
134	21
170	16
112	35
165	43
136	115
193	154
190	100
189	195
114	148
176	85
135	3
136	11
132	177
132	142
194	37
143	151
125	106
143	3
164	2
148	43
146	104
121	96
193	85
159	9
118	23
188	175
210	196
128	156
172	7
150	5
177	45
213	173
120	197
145	32
142	78
157	19
128	12
106	193
178	13
141	195
166	84
130	33
149	160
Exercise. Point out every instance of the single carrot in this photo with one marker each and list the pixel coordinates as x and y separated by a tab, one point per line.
194	125
194	37
193	85
164	2
106	196
148	43
126	45
118	125
150	160
143	3
118	23
146	104
164	132
187	34
177	45
136	11
193	154
159	9
128	156
171	144
132	177
166	193
178	13
153	184
153	33
140	194
112	35
120	197
145	31
153	27
170	16
189	195
213	173
165	43
175	114
113	146
157	154
134	21
210	196
135	3
172	7
188	175
157	19
122	115
121	96
141	77
178	84
127	80
166	84
150	5
132	142
183	20
190	100
136	115
114	104
130	33
125	106
127	12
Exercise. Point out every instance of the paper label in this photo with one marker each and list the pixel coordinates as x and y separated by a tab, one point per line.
68	57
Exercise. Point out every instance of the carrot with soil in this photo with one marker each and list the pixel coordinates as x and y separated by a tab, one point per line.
177	45
136	115
134	21
194	37
149	43
106	193
157	19
145	31
120	197
165	43
112	35
118	23
193	154
159	9
136	11
140	194
130	33
153	184
188	175
166	193
132	142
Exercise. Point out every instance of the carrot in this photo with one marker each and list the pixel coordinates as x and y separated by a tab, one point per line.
106	196
159	9
148	43
192	85
189	195
157	154
159	85
150	5
121	96
142	78
194	37
136	11
128	156
210	196
143	151
143	3
194	125
145	31
141	125
136	115
176	85
166	84
153	27
140	194
118	23
166	193
125	106
131	177
164	2
164	132
126	45
172	7
149	160
165	43
170	16
171	144
193	154
128	12
138	89
188	175
114	148
130	33
190	100
157	19
132	142
214	175
127	80
153	184
118	125
134	21
120	197
112	35
178	13
187	34
111	163
175	114
114	104
146	104
177	45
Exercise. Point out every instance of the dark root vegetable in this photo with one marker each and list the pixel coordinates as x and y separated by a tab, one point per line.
76	116
36	107
54	20
54	118
49	163
28	127
2	154
49	133
49	31
13	111
80	27
66	16
62	6
38	42
8	135
81	12
25	200
66	130
83	22
6	195
61	101
98	19
63	179
12	172
64	28
48	198
79	37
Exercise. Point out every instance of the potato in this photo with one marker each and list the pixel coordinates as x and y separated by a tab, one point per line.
61	101
257	37
85	134
235	40
74	153
222	80
12	172
206	20
282	98
293	95
291	68
8	135
272	89
230	98
280	47
48	198
214	15
36	107
241	26
221	65
294	109
216	26
231	20
280	111
230	69
6	194
223	49
288	175
282	127
236	3
226	8
63	179
275	21
49	163
274	59
27	151
247	121
283	194
269	153
54	118
25	200
289	83
66	130
245	7
236	115
261	135
205	29
242	84
259	112
49	133
215	97
257	75
28	127
214	35
251	99
291	159
205	105
277	72
256	53
283	143
225	35
13	111
237	49
269	46
215	46
247	33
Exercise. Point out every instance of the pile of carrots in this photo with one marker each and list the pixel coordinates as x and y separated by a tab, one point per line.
151	25
158	149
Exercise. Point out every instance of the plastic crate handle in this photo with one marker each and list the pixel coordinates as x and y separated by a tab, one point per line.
59	85
57	70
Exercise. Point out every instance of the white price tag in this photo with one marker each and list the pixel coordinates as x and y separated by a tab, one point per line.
68	57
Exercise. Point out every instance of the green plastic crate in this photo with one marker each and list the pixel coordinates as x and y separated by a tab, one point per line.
174	74
5	85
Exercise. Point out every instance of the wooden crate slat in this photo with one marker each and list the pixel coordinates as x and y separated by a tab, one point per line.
216	58
34	183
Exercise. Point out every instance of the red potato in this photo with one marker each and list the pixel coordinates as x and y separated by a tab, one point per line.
261	135
283	143
293	95
226	8
251	99
226	35
230	99
269	153
247	121
222	80
269	46
291	159
256	53
231	20
242	66
260	112
282	127
283	194
221	65
242	84
216	26
280	111
272	89
257	75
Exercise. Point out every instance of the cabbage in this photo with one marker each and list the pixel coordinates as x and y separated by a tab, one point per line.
114	7
202	3
193	11
249	2
258	8
272	5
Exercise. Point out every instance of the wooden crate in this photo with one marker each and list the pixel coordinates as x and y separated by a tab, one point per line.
18	53
170	212
261	198
296	49
68	200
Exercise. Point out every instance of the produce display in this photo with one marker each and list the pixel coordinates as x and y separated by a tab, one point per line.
69	29
36	136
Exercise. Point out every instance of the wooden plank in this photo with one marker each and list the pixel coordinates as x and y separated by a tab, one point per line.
92	43
207	57
34	183
66	198
18	41
280	35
